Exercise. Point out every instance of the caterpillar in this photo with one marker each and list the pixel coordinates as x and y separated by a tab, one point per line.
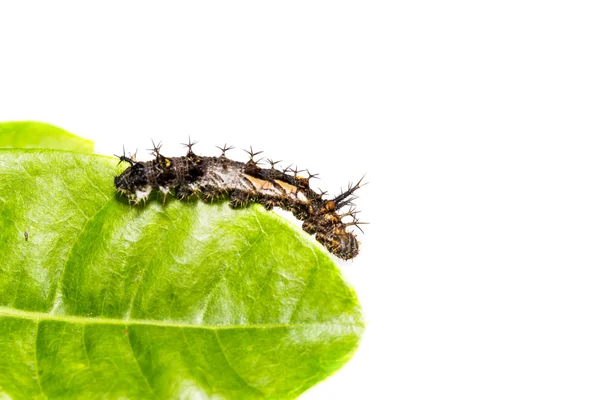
243	183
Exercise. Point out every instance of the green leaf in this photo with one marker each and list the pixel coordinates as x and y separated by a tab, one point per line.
29	134
164	301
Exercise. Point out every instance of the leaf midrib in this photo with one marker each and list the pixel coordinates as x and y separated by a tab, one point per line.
38	316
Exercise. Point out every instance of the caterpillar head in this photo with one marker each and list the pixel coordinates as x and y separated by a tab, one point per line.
133	183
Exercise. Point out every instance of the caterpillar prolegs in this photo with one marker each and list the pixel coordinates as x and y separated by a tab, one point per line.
242	183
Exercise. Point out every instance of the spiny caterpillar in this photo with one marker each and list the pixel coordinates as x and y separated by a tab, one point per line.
219	178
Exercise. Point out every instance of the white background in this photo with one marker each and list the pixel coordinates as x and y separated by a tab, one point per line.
476	122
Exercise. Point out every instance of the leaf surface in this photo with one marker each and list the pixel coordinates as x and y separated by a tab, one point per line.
164	301
29	134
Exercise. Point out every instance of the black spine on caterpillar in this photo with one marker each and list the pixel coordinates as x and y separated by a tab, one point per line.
219	178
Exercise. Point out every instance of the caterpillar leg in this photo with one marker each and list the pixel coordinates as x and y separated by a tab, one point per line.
239	199
210	194
184	192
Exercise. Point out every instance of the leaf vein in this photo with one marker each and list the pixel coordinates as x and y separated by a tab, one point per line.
33	315
231	366
85	350
260	291
137	362
35	359
308	283
222	278
57	293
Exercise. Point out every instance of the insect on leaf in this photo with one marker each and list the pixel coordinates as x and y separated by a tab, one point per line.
157	301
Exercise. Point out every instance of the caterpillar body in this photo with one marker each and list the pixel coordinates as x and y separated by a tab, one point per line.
242	183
